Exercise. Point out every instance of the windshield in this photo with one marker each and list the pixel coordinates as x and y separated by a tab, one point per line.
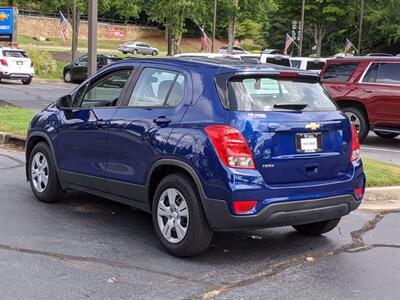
273	94
13	53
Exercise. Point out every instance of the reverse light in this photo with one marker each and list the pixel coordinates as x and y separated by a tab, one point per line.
231	146
3	62
355	144
244	207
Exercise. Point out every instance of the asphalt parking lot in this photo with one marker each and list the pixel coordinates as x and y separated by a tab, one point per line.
88	247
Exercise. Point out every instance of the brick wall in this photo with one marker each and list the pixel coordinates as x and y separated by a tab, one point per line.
50	27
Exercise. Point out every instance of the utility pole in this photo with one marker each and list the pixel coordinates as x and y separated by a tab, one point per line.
214	26
361	26
74	31
302	27
92	46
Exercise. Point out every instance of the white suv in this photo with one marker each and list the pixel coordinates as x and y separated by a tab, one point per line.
16	65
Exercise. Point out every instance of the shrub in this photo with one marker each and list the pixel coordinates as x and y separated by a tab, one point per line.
43	62
249	45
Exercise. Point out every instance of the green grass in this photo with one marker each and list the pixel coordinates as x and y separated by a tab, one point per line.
15	120
380	173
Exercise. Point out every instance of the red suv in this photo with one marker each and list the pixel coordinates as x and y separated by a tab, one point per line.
367	89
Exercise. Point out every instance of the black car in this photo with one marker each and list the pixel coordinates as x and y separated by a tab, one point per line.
77	70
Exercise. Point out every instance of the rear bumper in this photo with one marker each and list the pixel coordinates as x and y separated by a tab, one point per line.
16	76
280	214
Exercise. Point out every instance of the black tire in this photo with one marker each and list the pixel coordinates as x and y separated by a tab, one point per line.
134	52
124	52
363	127
53	191
198	235
27	81
317	228
154	53
386	135
68	76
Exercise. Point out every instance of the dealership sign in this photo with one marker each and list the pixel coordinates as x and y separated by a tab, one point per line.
8	24
115	33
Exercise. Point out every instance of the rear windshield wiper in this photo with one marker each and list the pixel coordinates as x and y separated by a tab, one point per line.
291	106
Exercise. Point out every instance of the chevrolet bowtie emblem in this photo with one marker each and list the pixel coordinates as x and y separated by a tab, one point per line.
313	126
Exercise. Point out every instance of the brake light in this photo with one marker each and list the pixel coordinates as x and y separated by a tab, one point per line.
4	62
231	146
355	144
244	207
288	74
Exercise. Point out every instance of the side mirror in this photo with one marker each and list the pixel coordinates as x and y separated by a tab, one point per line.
64	103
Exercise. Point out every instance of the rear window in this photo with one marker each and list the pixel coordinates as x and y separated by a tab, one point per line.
339	72
13	53
279	61
315	65
262	94
389	73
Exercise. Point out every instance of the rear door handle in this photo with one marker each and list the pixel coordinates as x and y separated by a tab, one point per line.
368	91
162	121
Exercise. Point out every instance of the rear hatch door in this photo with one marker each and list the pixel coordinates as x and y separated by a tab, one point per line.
296	133
17	61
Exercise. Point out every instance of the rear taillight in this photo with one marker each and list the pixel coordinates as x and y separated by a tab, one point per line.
355	144
244	207
31	64
3	62
359	192
288	74
231	146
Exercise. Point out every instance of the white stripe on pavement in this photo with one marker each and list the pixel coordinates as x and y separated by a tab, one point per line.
380	149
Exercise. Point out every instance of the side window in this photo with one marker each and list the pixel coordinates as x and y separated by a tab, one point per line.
389	73
104	92
83	61
295	63
158	88
370	75
339	72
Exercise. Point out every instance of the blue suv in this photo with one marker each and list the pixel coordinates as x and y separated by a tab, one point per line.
203	145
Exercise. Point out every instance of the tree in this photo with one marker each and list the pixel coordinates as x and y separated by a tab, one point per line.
172	14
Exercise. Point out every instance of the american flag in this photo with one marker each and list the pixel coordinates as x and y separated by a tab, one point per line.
348	46
288	43
63	26
204	40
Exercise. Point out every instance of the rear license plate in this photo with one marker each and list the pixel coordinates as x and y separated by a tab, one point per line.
308	142
20	63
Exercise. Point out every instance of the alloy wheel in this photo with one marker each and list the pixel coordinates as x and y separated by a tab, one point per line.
173	215
355	120
39	172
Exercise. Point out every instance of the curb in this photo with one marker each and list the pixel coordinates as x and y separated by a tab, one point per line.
11	139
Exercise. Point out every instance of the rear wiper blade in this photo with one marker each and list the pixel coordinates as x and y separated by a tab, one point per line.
291	106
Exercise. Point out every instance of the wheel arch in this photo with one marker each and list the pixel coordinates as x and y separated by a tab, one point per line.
353	103
31	141
163	167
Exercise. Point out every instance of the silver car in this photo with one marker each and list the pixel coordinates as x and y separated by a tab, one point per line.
138	48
